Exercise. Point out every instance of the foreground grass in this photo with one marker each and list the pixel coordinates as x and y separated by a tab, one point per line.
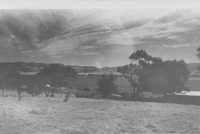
89	116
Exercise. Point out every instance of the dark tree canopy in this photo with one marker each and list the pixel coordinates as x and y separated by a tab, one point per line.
55	75
198	52
33	85
106	84
16	82
147	73
124	70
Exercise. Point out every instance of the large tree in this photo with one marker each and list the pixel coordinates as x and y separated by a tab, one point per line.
34	85
55	75
147	73
10	77
16	82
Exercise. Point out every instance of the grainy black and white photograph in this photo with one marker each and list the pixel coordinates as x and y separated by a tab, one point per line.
99	67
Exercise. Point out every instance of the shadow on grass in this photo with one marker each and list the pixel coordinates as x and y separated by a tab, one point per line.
175	99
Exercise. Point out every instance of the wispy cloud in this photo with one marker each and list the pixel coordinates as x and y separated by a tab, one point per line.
171	30
179	45
60	33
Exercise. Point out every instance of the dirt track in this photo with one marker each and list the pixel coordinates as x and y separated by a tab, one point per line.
88	116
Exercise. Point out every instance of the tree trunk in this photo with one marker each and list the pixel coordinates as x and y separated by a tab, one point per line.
134	91
46	93
52	92
138	92
32	94
66	98
3	92
19	95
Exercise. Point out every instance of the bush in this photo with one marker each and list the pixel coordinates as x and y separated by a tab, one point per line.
125	96
85	92
106	85
34	91
86	89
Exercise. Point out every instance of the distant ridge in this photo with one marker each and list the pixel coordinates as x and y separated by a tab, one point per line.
35	67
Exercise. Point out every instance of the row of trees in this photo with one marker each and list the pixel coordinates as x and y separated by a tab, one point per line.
47	80
147	73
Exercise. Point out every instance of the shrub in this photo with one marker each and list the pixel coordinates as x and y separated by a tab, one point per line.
106	84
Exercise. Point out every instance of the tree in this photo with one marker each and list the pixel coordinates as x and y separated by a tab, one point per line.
124	69
68	72
198	56
4	83
128	72
147	73
16	82
50	76
106	84
55	75
33	85
177	75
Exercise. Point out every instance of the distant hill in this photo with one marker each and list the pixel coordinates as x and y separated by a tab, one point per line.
29	67
36	67
22	66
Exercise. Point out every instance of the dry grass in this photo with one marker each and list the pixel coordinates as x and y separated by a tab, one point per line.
41	115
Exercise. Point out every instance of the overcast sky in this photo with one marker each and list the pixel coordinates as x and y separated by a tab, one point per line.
98	33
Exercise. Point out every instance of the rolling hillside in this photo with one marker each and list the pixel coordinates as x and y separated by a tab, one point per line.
35	67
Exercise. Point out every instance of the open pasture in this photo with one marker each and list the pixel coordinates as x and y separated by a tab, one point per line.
40	115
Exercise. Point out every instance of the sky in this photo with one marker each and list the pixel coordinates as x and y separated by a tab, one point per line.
96	32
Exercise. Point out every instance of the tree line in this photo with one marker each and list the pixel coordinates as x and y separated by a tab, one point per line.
145	73
48	80
148	73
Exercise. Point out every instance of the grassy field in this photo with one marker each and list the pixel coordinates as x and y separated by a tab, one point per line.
40	115
194	84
